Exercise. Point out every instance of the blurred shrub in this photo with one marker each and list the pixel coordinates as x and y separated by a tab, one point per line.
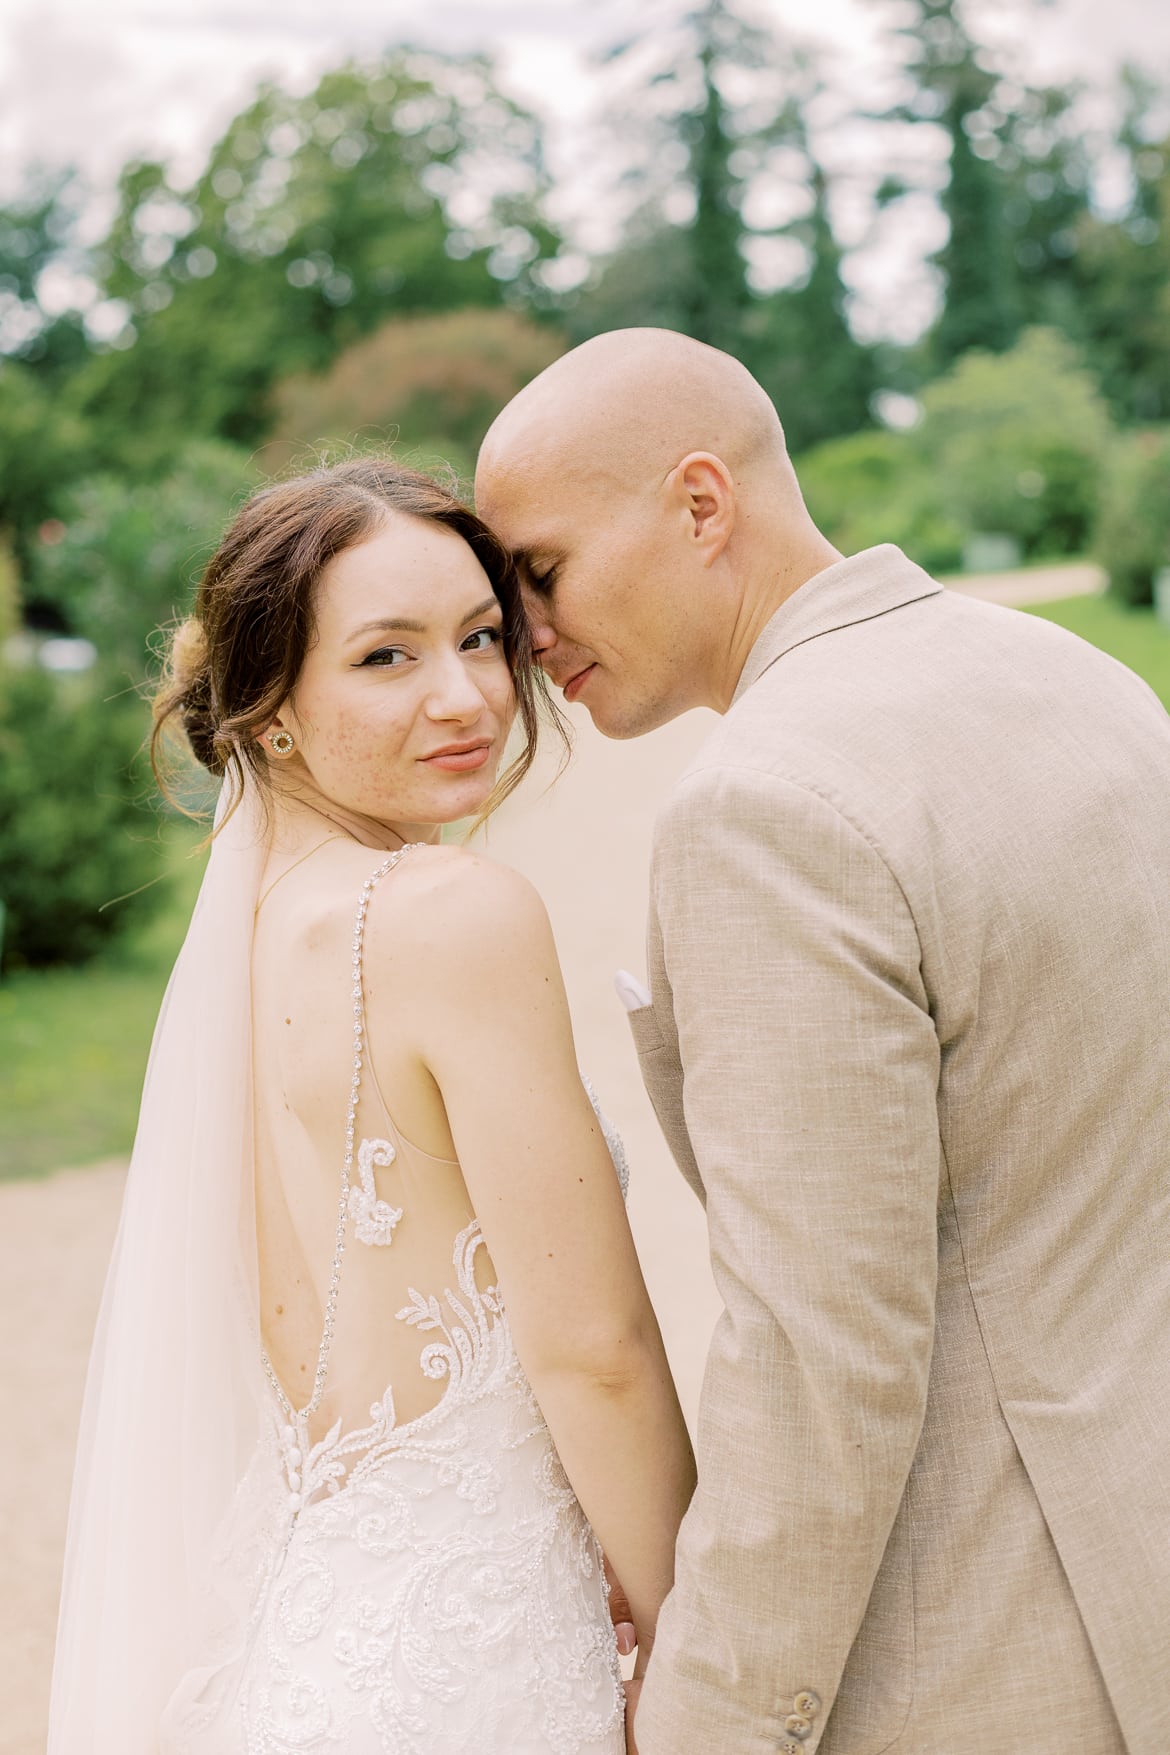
42	447
73	836
1014	443
1017	442
9	591
876	487
430	385
124	558
1132	539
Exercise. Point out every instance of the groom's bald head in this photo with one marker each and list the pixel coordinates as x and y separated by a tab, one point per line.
644	486
630	403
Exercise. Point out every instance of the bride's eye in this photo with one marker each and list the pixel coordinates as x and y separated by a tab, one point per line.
386	658
482	640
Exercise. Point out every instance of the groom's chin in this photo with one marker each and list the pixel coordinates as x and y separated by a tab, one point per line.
623	722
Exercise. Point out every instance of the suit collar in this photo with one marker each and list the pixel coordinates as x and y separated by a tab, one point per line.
853	590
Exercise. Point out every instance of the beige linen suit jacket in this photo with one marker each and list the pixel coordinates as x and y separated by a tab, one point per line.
910	1043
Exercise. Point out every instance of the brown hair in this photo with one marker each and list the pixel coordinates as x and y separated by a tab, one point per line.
237	658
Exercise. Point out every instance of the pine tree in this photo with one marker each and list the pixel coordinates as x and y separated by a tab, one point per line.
695	151
952	88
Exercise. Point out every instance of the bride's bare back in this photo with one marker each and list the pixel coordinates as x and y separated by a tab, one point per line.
402	1153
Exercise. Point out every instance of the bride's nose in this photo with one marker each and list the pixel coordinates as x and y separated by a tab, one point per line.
455	692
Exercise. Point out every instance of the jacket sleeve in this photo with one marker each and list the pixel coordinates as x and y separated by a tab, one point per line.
810	1067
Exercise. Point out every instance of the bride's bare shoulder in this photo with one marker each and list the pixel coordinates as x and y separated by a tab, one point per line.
449	898
440	907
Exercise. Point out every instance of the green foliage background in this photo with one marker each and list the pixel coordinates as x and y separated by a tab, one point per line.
373	263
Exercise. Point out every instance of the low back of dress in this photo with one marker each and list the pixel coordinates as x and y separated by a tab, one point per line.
353	1218
422	1577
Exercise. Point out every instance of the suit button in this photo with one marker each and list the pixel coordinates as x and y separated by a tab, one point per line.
807	1704
798	1726
791	1747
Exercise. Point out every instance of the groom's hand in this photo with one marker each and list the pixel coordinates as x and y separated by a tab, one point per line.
620	1613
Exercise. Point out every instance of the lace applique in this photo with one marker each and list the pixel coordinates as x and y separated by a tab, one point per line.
613	1139
373	1219
438	1586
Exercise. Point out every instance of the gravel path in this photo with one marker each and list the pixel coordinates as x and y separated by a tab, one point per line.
55	1237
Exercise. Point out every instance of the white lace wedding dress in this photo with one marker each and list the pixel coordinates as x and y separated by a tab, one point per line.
424	1588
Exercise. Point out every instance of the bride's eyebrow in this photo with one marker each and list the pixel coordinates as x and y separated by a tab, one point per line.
404	625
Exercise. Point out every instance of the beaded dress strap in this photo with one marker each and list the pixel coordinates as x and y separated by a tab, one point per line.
359	1039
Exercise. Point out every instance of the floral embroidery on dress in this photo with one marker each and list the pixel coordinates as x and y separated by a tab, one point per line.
439	1588
374	1219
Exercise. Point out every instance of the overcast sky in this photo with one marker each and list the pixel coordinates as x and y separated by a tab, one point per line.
92	84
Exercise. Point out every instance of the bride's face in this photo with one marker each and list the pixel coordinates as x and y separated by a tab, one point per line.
405	700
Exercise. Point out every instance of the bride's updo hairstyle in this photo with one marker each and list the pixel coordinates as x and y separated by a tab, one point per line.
237	657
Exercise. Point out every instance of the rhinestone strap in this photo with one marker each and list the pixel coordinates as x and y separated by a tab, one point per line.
359	1036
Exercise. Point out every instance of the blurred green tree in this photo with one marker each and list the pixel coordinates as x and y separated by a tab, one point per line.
74	839
38	242
43	448
1123	264
1019	442
429	386
410	185
124	558
873	487
9	593
1132	539
1029	241
798	341
1019	192
722	166
952	88
686	151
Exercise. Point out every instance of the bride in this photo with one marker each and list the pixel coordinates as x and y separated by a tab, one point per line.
375	1372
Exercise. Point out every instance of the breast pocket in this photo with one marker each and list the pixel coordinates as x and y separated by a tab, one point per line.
646	1030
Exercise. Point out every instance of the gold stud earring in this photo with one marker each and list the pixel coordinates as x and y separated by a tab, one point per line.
282	743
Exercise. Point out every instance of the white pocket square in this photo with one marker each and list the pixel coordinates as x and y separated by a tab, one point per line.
633	994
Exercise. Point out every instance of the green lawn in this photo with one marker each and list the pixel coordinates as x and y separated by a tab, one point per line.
74	1042
1132	635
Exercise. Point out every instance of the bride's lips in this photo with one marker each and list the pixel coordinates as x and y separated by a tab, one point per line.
576	683
460	758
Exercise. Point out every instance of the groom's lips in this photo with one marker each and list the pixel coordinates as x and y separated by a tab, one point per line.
576	683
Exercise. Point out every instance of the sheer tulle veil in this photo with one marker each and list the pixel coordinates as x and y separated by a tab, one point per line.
175	1405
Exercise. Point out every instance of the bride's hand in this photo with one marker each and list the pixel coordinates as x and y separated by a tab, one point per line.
619	1612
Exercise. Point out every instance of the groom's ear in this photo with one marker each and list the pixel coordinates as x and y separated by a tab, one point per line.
705	491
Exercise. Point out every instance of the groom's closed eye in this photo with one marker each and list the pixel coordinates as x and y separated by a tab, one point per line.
539	577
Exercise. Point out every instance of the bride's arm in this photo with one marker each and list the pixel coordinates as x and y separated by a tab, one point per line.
494	1033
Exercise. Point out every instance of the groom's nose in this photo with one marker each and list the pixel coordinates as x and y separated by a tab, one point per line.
544	635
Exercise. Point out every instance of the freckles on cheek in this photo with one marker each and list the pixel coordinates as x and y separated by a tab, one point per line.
356	748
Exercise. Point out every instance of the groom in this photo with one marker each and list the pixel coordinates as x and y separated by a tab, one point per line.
909	1040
